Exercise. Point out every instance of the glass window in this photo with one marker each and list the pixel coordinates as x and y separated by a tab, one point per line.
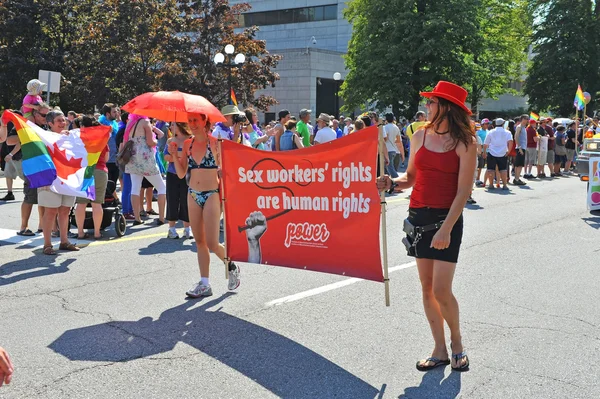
294	15
318	14
330	12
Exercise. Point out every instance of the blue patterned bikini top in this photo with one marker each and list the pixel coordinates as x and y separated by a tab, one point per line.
208	161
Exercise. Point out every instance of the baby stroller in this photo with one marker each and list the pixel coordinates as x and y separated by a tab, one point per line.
112	211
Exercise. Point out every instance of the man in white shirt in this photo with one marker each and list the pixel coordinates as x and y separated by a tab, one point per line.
349	127
496	147
232	127
391	136
325	133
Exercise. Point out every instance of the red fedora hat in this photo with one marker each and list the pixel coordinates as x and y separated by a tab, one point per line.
451	92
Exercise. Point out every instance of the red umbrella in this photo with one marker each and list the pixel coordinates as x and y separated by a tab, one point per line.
173	106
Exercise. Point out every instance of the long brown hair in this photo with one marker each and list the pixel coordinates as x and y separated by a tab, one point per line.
459	124
183	128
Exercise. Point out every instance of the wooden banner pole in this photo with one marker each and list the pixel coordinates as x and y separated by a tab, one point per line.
223	199
386	280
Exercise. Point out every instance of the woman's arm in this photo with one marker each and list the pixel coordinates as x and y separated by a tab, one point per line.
467	164
166	153
180	163
149	136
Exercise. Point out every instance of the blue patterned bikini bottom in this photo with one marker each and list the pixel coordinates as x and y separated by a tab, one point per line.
201	196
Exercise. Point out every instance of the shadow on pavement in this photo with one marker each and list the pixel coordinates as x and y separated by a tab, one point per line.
592	222
167	246
36	266
279	364
433	385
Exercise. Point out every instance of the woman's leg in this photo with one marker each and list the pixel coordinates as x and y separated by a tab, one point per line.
432	309
148	196
136	186
97	215
196	221
161	189
212	217
48	223
80	218
443	275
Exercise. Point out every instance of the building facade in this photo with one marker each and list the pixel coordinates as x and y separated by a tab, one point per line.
312	37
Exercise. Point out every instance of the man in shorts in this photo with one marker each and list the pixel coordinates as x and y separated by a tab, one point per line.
54	203
521	148
531	157
542	149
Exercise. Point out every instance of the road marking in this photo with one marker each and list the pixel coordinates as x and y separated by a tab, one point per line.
37	242
329	287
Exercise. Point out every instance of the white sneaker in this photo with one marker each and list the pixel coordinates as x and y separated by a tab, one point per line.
198	290
172	234
234	277
187	233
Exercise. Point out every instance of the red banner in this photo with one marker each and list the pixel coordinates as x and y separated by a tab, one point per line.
316	208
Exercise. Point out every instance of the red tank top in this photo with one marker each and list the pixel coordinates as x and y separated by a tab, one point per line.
437	178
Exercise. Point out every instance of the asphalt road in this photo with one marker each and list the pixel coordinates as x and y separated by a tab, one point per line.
111	321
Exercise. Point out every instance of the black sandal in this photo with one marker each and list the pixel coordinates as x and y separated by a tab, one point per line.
436	363
459	356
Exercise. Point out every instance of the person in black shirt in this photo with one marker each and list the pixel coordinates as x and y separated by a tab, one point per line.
570	146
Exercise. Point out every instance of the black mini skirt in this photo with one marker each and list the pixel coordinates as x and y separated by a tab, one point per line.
423	250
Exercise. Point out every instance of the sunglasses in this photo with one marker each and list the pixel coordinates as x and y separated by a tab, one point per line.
42	115
430	101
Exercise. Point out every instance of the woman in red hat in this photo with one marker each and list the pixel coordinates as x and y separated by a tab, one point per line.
440	170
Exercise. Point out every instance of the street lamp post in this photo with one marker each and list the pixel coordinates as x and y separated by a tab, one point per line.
226	62
337	77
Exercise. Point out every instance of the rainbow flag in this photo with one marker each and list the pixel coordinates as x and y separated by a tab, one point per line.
534	116
37	163
233	98
65	162
579	101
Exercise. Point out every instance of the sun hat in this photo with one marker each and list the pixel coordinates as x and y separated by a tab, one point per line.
485	120
532	121
451	92
34	86
324	117
230	110
478	126
499	122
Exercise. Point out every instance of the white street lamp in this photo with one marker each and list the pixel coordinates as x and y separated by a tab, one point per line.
229	49
240	59
219	58
337	76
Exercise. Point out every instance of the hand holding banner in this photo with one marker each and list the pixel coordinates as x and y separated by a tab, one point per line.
316	209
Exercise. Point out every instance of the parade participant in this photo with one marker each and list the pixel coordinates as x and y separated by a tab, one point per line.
143	164
256	137
177	188
498	143
201	159
531	156
290	139
100	182
56	204
441	168
32	100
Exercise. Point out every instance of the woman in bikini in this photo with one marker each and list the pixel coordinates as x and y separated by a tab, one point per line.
200	160
442	162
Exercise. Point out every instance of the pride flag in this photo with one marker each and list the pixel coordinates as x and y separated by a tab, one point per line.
65	162
579	101
37	163
534	116
233	98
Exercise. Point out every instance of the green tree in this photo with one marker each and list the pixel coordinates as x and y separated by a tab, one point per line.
566	51
405	46
114	50
400	47
499	49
